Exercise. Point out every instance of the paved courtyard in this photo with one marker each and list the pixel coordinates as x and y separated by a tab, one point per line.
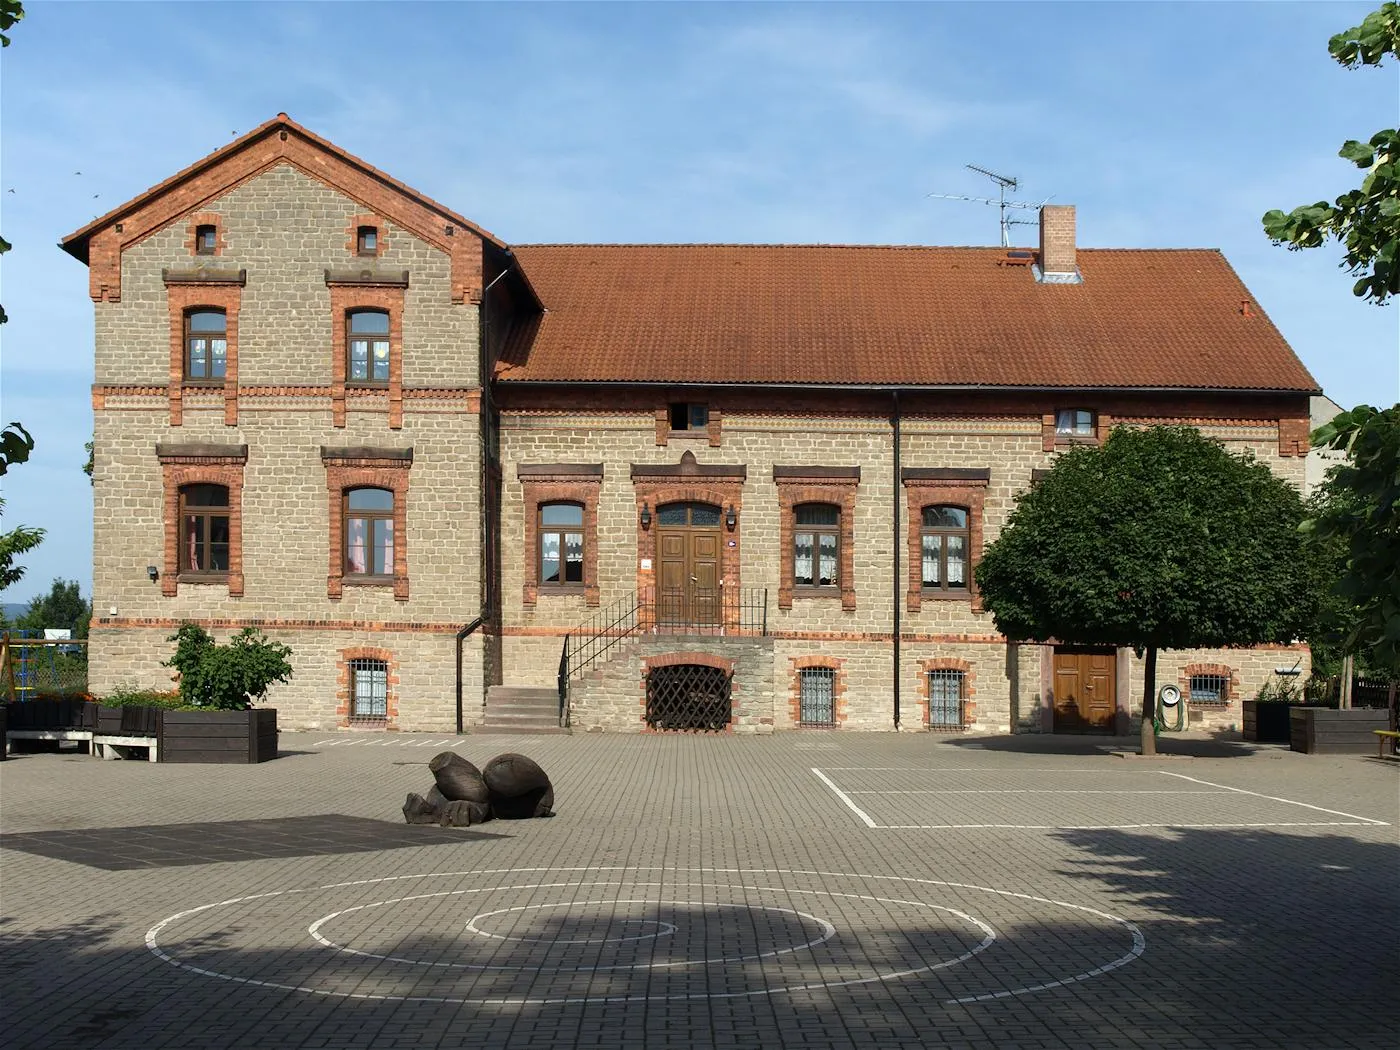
802	890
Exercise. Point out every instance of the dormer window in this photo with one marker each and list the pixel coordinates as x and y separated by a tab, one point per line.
1074	423
367	240
689	415
206	240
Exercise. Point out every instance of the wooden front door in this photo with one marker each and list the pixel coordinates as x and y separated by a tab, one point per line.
687	573
1086	699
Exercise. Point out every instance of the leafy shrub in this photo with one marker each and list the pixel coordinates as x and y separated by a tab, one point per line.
1279	691
130	696
229	677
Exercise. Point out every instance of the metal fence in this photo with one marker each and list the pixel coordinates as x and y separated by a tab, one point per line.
32	667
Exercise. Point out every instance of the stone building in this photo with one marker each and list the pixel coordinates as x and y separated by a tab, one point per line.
704	486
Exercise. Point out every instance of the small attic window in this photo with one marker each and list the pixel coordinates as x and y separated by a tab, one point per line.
1074	423
689	415
367	240
206	239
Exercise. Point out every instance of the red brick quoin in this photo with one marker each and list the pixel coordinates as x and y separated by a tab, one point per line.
343	697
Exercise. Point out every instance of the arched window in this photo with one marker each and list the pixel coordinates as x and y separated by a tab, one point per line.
816	545
369	532
561	544
206	345
367	347
944	542
204	532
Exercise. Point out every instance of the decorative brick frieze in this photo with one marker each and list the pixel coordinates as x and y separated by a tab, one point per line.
201	464
354	468
354	296
935	487
187	295
969	690
344	685
832	485
808	663
561	483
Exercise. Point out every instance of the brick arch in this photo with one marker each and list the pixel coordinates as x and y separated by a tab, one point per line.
391	667
1225	671
719	663
825	663
949	663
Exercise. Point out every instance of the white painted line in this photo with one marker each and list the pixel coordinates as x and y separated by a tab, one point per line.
1275	798
864	816
1132	827
979	769
1037	791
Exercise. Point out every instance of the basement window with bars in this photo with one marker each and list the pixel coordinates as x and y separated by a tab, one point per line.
817	697
945	699
1209	689
369	691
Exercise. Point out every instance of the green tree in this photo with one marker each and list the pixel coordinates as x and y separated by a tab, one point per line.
1158	539
1363	516
15	446
227	677
63	608
1367	219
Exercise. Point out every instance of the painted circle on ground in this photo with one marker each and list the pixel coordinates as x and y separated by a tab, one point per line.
663	928
864	939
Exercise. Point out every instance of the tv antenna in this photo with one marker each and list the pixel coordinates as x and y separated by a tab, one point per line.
1004	183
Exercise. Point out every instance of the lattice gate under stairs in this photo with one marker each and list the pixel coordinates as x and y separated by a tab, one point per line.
688	697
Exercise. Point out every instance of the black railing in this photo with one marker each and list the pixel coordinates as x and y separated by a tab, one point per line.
728	611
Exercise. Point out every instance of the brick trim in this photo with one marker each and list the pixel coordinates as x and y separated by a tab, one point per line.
186	296
343	695
969	690
794	490
279	142
343	474
206	218
564	487
1228	673
920	493
352	234
838	687
1294	436
181	466
720	492
343	299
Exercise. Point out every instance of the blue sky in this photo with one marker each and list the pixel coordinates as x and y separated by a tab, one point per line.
1168	125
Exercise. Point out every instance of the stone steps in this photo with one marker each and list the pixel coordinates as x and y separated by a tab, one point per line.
521	709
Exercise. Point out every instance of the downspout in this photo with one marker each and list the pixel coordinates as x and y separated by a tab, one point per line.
462	637
894	547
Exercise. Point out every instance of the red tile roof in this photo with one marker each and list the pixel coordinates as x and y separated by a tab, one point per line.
894	315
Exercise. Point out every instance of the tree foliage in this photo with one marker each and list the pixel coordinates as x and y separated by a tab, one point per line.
63	608
1366	220
1362	514
1158	539
228	677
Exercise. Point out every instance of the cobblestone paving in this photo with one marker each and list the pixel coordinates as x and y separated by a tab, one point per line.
706	891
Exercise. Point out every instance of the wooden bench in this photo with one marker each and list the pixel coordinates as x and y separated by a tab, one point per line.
1382	735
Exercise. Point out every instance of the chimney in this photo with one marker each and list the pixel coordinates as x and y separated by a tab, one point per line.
1057	256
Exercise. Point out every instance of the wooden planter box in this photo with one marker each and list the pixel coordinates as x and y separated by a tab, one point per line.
56	714
1326	731
131	720
219	736
1267	722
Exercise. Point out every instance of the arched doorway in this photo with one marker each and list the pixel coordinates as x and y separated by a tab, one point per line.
688	543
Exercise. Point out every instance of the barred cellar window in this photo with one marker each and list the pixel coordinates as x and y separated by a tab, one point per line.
817	697
369	690
1209	689
946	691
